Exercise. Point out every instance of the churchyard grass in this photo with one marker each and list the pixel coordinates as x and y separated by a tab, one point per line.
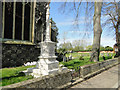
13	75
73	64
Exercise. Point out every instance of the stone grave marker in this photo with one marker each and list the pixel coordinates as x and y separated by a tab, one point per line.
70	57
64	59
111	54
102	54
67	59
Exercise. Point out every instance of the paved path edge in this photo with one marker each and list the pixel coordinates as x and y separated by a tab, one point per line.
79	80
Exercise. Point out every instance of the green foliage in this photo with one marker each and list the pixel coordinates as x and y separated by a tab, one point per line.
108	48
61	50
76	45
67	46
108	57
73	64
89	47
54	31
102	48
81	58
13	75
70	63
78	48
70	67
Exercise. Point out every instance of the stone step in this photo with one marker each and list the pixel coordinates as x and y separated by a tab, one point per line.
38	72
48	66
48	61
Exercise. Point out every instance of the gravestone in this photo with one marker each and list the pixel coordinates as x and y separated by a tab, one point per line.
70	57
64	59
108	54
67	59
105	54
47	63
102	54
111	54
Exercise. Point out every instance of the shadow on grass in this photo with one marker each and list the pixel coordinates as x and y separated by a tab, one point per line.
18	75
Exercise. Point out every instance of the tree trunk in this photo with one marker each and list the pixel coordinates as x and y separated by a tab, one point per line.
119	37
97	32
118	31
117	40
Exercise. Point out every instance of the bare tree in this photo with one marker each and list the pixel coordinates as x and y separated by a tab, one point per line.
81	44
97	32
110	11
97	27
119	30
64	37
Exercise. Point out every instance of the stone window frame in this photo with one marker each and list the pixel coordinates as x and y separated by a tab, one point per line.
32	25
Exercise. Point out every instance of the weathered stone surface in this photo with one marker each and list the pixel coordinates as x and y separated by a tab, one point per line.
50	81
85	70
94	67
89	69
16	54
47	63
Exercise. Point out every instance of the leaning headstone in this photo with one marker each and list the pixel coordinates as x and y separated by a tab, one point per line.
64	59
101	54
67	59
70	57
108	54
111	54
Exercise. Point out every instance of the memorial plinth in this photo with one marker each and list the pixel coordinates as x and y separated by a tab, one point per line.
47	63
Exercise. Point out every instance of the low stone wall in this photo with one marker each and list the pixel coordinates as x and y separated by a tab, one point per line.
63	79
92	69
51	81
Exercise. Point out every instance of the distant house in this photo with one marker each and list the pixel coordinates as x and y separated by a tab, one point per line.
115	48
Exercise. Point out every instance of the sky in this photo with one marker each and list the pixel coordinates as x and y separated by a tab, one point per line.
68	29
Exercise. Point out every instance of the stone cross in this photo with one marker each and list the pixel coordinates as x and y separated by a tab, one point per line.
47	63
47	37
